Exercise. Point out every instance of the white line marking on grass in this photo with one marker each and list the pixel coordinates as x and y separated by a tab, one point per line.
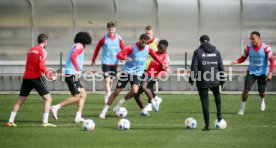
159	125
40	125
74	124
264	126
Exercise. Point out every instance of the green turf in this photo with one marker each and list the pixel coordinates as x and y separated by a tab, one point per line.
162	129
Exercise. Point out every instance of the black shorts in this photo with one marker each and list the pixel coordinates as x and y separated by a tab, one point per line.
125	78
73	84
38	84
250	80
109	71
151	83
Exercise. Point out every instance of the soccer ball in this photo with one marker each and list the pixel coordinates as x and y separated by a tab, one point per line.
88	125
220	125
123	124
121	112
190	123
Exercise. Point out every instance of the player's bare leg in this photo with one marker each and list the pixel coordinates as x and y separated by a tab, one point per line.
64	103
108	86
80	106
111	99
243	103
16	107
47	105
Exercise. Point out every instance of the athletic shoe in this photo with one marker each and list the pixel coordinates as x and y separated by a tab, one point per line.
102	115
149	107
206	128
54	111
144	112
8	124
48	125
241	112
79	120
262	105
156	103
158	99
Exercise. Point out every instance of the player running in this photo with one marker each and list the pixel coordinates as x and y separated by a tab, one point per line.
33	79
73	71
135	56
153	42
111	44
154	71
259	53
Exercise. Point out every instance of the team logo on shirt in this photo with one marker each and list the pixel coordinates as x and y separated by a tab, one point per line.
211	55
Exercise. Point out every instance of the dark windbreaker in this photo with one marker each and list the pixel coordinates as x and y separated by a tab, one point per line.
206	64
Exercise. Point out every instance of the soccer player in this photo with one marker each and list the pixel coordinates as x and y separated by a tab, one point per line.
111	44
33	79
135	56
153	42
154	71
208	71
73	71
259	53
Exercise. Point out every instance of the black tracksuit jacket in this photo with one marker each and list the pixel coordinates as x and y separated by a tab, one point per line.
206	59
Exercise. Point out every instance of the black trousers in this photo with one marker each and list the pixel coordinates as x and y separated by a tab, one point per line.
204	98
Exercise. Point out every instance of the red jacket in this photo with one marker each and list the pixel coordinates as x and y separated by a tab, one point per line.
155	69
35	64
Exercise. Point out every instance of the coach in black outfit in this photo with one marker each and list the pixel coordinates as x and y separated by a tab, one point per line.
208	72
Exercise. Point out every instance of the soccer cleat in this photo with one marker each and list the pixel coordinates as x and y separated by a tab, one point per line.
158	99
54	111
156	103
241	112
79	120
8	124
102	115
149	107
48	125
262	105
144	112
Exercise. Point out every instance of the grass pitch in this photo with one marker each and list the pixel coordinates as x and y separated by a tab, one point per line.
162	129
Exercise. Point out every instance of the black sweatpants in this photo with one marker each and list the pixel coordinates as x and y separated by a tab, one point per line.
203	93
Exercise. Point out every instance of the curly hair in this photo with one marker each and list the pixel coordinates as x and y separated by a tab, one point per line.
83	37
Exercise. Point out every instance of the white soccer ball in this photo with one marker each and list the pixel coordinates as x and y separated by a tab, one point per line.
123	124
190	123
121	112
88	125
220	125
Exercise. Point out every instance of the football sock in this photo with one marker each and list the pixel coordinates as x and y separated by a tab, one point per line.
106	107
58	106
243	105
12	116
262	99
45	117
78	115
122	101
